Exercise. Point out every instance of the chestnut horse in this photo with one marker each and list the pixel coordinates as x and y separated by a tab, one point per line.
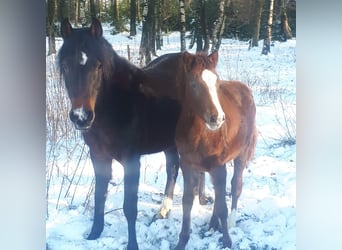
117	121
216	125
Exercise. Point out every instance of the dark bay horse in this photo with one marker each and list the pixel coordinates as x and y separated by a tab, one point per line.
216	125
117	121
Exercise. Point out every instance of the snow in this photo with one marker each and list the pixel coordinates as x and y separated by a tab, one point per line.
266	215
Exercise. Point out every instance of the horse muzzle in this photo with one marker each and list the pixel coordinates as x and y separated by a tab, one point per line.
82	119
215	121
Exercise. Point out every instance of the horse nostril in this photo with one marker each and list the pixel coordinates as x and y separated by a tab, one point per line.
213	118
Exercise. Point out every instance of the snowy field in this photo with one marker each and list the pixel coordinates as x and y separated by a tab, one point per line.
266	217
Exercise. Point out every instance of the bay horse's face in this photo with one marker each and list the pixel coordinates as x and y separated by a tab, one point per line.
81	64
201	88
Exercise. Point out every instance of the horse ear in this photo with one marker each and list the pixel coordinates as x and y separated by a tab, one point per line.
96	28
188	60
213	58
66	28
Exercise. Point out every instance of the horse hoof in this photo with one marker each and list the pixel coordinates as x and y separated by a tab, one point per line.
93	235
214	223
180	247
133	246
226	242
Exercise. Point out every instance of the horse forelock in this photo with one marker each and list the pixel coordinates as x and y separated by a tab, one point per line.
82	47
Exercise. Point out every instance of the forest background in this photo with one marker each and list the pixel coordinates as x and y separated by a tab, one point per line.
205	21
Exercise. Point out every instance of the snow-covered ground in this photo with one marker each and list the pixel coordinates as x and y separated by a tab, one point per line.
266	217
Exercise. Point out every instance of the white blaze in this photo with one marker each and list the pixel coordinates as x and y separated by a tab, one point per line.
84	58
210	79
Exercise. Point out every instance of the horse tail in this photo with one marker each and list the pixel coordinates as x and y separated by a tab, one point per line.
252	145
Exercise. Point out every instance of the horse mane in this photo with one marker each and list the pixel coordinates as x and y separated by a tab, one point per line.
160	65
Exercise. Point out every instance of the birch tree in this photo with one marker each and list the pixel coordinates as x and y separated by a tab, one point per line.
266	48
285	30
255	22
145	50
77	8
182	24
219	26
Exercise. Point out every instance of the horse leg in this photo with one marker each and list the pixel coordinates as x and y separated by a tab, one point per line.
191	179
236	183
203	200
103	174
220	212
131	183
172	167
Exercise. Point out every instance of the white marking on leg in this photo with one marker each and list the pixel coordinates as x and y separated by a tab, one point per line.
210	79
232	219
84	58
166	207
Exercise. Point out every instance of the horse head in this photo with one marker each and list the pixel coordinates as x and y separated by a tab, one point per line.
200	91
84	64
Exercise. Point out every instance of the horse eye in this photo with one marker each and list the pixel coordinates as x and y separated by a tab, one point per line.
99	66
193	85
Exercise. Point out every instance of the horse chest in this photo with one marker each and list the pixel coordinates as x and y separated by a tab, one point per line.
199	147
110	140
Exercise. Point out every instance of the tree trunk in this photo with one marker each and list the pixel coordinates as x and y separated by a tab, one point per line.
82	13
144	50
100	7
157	21
219	26
199	27
76	12
51	16
285	28
182	24
115	12
266	48
62	10
92	8
139	17
133	29
204	24
255	22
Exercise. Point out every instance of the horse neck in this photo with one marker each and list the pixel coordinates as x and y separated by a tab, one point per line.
124	74
161	76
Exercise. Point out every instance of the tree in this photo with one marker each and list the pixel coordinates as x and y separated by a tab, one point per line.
255	22
285	30
63	11
145	49
51	17
158	23
219	26
200	30
133	29
82	12
182	24
266	48
92	8
76	12
204	26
